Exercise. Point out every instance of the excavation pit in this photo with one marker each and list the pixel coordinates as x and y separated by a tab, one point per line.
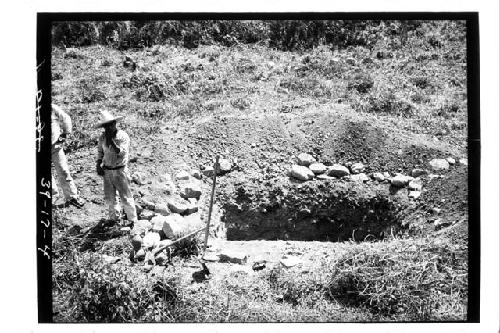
333	210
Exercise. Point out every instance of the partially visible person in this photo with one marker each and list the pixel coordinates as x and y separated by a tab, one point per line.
112	165
61	126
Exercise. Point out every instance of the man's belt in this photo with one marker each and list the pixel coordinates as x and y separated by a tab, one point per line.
115	168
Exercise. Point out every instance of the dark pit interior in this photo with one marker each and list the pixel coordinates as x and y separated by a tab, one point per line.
336	212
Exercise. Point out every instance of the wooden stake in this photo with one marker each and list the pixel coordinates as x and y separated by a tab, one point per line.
216	168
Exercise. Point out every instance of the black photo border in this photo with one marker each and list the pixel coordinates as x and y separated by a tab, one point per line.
43	131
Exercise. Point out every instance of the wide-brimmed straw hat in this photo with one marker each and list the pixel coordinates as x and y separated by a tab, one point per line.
107	117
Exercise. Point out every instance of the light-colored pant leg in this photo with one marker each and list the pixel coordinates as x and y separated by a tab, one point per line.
110	195
122	184
55	190
63	175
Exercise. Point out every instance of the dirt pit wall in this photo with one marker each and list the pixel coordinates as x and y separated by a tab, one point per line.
331	210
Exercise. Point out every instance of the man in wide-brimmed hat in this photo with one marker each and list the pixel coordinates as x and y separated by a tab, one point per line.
112	164
61	126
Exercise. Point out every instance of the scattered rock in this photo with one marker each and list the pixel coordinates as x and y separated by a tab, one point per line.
357	168
438	164
172	226
110	259
224	166
141	227
338	171
415	185
140	255
147	215
208	171
139	178
148	204
161	258
301	172
387	175
212	257
414	194
361	177
291	261
177	206
259	265
182	175
233	257
136	242
192	207
151	240
451	160
418	172
436	210
350	61
305	159
190	190
157	222
463	161
324	177
162	209
439	223
399	181
378	177
196	174
317	168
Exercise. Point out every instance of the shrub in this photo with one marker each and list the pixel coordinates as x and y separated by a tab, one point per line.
415	278
362	82
101	292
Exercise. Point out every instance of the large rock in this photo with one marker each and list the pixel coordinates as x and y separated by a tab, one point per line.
233	257
400	181
177	206
176	226
305	159
357	168
140	255
338	171
190	190
151	240
439	164
182	175
451	160
317	168
463	161
361	177
301	172
192	207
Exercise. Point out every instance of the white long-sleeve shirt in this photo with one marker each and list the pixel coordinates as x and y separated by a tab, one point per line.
110	158
60	123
